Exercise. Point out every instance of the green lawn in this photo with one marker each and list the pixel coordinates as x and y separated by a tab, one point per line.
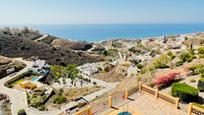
15	83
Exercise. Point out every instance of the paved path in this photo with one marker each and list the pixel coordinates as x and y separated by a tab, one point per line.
44	36
90	50
107	87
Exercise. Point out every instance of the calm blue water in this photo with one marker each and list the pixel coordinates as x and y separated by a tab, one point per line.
102	32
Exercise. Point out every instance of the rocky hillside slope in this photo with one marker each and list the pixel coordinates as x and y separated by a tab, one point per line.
12	45
7	63
74	45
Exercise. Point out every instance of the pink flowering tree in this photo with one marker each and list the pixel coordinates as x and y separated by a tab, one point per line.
166	79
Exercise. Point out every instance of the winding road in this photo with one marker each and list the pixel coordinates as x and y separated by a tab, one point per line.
17	97
106	88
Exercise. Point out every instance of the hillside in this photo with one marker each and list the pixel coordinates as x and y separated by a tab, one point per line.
74	45
7	63
12	45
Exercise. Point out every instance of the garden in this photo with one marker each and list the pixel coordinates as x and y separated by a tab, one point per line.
39	96
189	88
27	76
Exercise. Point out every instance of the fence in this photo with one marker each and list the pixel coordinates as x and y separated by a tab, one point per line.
86	111
97	107
195	110
104	104
159	95
117	97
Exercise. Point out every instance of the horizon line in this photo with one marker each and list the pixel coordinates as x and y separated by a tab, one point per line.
98	24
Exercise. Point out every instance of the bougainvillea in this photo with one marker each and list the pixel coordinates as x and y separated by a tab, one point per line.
167	79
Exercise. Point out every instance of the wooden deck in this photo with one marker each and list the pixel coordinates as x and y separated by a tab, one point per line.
142	104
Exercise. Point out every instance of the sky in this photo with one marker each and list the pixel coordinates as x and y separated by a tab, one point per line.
100	11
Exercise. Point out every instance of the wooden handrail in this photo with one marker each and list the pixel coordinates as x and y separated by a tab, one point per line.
86	111
193	109
159	95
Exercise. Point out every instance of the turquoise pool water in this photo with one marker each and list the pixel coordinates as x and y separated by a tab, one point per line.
35	78
124	113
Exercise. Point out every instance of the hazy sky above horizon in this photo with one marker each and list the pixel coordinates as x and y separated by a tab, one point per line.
100	11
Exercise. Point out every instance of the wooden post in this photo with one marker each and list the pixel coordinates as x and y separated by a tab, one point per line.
189	108
140	86
156	93
89	110
110	101
177	103
84	111
126	94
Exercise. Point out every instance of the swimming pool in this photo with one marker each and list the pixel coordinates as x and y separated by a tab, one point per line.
34	78
124	113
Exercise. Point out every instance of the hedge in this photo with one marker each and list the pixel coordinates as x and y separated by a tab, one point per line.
198	105
201	84
185	92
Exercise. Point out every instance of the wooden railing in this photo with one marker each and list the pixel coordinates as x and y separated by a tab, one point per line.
192	109
159	95
195	110
173	101
169	99
86	111
148	90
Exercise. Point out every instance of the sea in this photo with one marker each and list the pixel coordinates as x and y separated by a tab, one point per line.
100	32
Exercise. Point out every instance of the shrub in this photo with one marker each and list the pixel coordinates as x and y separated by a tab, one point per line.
21	112
151	84
193	68
198	105
110	52
35	101
200	69
161	62
135	61
197	69
171	55
185	92
187	57
201	84
179	63
202	75
41	107
62	63
135	50
139	66
201	50
59	99
166	80
94	83
117	44
192	80
22	47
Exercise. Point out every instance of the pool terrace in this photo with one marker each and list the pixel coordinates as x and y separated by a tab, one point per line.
24	79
